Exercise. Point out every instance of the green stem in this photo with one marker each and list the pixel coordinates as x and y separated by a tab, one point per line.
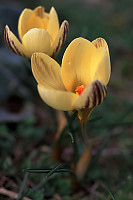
72	130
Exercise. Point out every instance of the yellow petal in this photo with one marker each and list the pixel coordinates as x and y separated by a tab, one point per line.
60	100
60	38
32	19
92	96
13	42
41	18
37	22
76	63
53	24
100	42
36	40
47	71
103	69
39	11
83	63
23	22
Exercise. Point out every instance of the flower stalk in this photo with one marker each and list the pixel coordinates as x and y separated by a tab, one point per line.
85	159
72	130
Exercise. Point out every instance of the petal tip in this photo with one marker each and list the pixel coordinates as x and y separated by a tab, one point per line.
100	42
52	9
6	37
12	41
62	35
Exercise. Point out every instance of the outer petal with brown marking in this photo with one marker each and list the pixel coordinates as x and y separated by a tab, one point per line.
60	38
92	96
100	42
46	71
13	42
103	70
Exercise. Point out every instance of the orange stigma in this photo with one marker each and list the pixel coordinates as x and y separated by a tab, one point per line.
80	89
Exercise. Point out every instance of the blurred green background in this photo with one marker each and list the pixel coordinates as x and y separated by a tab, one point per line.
28	126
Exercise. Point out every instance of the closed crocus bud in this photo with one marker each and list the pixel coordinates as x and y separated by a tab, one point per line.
38	32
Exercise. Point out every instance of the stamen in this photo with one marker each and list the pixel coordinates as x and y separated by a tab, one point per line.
80	89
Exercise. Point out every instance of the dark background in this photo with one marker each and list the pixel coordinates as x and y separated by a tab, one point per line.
28	126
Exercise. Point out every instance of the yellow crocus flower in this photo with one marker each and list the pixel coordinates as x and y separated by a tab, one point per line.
38	31
80	83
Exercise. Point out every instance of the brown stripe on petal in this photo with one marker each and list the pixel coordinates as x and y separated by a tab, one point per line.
7	40
105	89
96	45
102	92
58	46
34	60
98	93
62	39
11	44
16	49
65	32
35	69
99	96
100	42
87	102
94	98
46	66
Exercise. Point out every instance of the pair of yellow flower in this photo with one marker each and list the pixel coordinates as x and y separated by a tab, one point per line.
80	83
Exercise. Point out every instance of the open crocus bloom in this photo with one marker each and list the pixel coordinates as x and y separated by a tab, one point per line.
38	31
80	83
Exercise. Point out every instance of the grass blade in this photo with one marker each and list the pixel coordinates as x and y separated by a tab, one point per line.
48	170
71	136
109	190
22	186
54	170
38	186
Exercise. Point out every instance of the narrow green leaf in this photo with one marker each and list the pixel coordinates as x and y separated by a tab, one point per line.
22	186
72	130
109	190
54	170
62	135
38	186
72	138
48	170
